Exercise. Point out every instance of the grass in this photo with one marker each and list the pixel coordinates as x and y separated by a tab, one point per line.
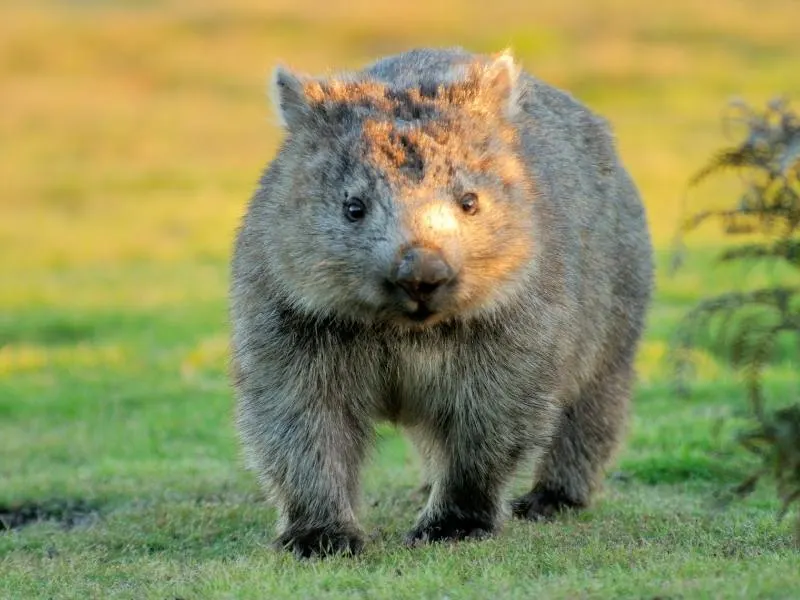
134	133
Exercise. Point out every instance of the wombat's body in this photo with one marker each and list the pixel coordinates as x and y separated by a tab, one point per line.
451	245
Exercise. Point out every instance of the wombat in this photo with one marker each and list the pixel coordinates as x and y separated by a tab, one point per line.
445	242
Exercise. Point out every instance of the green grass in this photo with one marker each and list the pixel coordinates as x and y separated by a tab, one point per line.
138	132
128	409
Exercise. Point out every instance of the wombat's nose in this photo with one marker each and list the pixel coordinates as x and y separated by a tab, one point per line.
421	272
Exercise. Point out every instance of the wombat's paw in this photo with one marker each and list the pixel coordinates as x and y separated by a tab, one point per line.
448	528
321	542
542	505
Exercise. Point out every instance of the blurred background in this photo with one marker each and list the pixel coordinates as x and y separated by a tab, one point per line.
133	134
134	131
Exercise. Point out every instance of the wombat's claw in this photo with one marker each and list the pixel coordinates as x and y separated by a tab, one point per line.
448	528
542	505
320	542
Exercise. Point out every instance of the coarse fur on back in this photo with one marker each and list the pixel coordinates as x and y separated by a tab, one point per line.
445	242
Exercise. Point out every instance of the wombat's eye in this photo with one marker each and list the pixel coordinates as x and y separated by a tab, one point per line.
354	210
469	203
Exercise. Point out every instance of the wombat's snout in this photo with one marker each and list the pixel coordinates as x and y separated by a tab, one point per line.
420	272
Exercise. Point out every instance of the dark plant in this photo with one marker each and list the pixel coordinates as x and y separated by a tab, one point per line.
747	326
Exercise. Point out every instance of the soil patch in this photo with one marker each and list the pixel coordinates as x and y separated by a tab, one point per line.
68	513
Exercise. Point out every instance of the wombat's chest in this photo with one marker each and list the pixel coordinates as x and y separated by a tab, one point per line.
424	380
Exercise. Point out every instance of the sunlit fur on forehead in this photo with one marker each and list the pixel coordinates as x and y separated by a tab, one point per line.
422	131
394	147
343	98
435	151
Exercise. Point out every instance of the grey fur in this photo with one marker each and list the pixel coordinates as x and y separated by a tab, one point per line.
528	354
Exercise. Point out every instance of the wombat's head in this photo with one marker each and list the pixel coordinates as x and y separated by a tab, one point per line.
408	204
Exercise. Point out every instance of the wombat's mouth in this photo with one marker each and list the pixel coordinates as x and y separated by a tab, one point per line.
421	313
420	310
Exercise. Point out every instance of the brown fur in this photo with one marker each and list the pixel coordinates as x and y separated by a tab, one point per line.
522	349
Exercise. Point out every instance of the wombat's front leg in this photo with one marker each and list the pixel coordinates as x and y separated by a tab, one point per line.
474	463
308	449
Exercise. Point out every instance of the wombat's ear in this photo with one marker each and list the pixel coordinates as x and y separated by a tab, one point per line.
499	83
289	96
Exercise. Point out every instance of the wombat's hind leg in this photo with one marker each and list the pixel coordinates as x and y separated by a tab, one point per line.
588	434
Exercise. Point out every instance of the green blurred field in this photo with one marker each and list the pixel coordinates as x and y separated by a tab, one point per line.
132	134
